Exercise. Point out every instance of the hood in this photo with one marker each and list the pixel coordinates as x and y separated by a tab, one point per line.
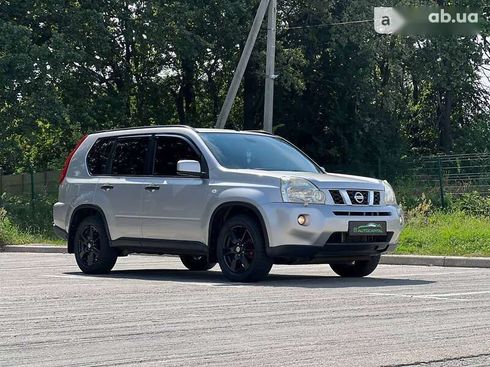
327	180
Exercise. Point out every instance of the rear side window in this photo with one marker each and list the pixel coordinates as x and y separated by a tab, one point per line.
130	156
99	156
170	150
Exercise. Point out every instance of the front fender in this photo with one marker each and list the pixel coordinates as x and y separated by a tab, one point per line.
254	198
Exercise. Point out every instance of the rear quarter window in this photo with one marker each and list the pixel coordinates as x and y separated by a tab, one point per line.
99	157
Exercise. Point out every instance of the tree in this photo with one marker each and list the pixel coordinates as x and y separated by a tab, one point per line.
349	97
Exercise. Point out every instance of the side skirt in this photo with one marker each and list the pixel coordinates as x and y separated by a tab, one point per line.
160	247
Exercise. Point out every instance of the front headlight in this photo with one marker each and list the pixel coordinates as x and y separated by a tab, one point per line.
300	190
390	198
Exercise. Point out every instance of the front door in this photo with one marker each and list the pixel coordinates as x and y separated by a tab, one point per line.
173	205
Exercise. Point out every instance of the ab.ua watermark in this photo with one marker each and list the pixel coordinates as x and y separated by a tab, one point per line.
428	20
460	18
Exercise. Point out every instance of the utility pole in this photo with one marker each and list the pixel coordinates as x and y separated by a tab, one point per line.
242	65
270	66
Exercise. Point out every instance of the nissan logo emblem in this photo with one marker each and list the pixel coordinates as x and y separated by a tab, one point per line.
359	197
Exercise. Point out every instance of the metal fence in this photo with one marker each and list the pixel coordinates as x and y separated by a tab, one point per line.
31	183
449	174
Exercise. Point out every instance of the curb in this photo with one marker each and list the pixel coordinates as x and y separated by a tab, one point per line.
444	261
38	249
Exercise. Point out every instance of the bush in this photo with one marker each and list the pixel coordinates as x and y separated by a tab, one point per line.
10	234
409	193
421	210
34	219
472	204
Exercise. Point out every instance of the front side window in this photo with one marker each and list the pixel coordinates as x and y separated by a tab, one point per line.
260	152
170	150
130	156
99	156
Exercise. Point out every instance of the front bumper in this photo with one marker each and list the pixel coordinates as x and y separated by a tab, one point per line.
326	223
329	254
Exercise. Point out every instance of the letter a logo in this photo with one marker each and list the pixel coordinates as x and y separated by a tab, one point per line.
387	20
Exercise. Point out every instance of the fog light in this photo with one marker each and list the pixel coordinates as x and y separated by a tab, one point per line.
302	220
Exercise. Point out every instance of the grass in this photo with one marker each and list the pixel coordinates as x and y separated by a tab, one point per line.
12	234
446	234
23	222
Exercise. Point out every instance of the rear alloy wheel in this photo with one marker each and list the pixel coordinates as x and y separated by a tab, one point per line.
241	250
356	269
92	250
197	263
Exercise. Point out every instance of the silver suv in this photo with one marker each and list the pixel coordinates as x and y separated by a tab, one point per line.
246	200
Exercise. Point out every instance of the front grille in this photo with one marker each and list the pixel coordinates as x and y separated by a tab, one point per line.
354	197
343	237
362	214
337	197
377	198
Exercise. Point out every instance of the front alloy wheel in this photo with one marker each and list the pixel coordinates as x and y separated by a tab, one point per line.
241	250
238	249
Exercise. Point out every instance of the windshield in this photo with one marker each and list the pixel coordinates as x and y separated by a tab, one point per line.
261	152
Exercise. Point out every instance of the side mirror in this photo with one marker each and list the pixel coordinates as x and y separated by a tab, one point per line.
189	168
323	169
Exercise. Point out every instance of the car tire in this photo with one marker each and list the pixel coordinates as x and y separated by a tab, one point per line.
356	269
241	250
196	263
92	250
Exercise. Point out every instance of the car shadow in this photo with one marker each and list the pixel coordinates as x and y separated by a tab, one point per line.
215	278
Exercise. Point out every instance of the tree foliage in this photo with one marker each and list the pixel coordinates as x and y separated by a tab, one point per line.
351	98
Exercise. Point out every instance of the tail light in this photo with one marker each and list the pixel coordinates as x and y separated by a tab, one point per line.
68	159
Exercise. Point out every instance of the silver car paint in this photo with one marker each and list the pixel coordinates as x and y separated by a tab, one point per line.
183	207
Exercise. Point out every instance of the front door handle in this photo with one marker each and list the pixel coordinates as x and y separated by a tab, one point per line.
107	187
152	188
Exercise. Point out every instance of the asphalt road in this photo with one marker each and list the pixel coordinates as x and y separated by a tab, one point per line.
150	311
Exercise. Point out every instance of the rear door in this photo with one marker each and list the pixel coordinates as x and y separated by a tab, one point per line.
120	191
173	209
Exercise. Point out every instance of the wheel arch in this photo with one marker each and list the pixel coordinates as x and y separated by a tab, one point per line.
227	210
79	214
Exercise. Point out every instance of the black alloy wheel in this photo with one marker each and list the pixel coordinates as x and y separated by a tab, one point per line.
238	249
241	250
92	249
356	269
89	245
197	263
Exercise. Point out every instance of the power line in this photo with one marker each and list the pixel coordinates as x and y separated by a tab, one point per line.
329	24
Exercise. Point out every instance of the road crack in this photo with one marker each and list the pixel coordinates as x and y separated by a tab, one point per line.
444	360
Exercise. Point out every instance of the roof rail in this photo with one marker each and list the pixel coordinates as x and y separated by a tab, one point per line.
259	132
144	127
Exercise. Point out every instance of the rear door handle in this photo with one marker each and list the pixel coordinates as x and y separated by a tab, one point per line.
152	188
107	187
